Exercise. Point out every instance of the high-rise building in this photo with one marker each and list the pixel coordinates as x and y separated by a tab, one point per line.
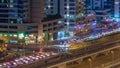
116	8
52	7
14	11
21	11
37	10
24	20
101	7
20	19
71	10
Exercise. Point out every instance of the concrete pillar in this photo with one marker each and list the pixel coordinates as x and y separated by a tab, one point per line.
106	53
93	56
80	61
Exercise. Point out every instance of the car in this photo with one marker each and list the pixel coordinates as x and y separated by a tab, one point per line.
19	61
43	56
32	58
25	61
13	63
39	57
8	65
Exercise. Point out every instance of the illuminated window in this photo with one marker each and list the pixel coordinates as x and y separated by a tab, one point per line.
21	35
11	6
11	1
2	1
11	22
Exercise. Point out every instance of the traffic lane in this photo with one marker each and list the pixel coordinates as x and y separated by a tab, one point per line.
93	50
39	64
27	59
81	36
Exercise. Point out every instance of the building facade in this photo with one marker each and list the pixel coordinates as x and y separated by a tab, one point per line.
101	7
70	10
52	27
15	33
14	11
37	10
52	7
21	20
116	10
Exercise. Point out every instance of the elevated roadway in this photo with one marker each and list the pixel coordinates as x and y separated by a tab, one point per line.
89	54
66	58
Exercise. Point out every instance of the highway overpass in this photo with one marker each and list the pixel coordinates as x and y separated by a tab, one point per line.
91	55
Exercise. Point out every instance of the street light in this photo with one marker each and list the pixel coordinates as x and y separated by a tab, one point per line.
24	50
1	66
33	52
90	60
6	45
112	55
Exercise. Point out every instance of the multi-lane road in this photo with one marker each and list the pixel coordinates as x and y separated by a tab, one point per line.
66	57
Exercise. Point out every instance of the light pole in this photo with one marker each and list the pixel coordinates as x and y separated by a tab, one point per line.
24	49
6	46
33	53
112	55
90	60
1	66
65	46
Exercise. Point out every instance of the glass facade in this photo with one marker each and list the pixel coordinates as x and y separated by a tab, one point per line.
69	14
52	7
13	11
98	4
